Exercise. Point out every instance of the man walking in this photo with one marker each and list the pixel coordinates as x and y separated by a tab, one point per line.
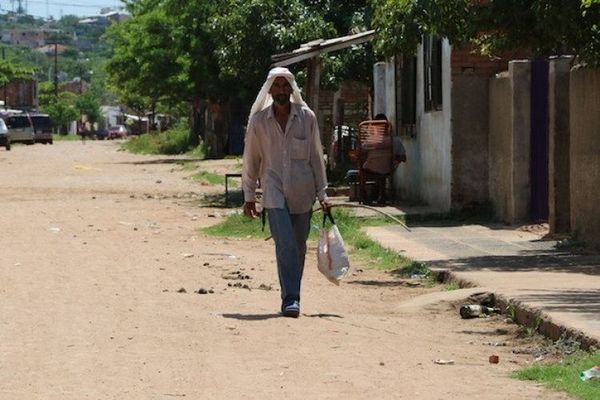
283	149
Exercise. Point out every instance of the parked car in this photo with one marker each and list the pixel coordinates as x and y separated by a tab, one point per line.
100	134
20	128
117	132
42	128
4	135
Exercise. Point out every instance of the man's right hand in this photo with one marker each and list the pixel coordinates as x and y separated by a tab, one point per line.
250	209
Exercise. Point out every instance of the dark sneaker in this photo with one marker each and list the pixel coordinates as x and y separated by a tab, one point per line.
291	310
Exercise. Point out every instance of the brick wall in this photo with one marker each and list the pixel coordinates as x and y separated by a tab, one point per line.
20	94
465	62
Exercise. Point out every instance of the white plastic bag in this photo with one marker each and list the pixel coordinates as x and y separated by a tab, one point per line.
332	258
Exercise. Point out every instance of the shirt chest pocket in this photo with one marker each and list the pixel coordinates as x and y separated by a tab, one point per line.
299	149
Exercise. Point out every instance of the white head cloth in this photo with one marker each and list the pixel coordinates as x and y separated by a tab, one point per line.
264	98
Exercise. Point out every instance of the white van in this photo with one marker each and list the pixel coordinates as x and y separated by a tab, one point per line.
20	128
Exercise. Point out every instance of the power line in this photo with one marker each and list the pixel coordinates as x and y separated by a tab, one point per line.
71	4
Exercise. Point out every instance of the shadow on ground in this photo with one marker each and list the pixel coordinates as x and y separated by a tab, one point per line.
584	301
530	260
235	199
252	317
162	161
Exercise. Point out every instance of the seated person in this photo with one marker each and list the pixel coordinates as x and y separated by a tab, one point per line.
380	161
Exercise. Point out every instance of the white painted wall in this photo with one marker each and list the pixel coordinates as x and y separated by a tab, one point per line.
427	174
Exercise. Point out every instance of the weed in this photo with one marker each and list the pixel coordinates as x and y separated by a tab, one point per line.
173	141
210	178
530	331
511	310
451	286
362	247
564	375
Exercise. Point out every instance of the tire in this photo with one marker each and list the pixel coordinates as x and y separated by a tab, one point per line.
7	146
50	141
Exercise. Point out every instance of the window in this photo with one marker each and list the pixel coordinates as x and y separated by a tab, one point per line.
18	122
406	94
432	72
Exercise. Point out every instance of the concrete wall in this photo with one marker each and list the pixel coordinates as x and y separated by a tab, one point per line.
500	145
427	174
509	143
384	101
470	127
379	87
585	154
559	217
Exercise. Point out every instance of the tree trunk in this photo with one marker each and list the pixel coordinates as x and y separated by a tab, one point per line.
197	122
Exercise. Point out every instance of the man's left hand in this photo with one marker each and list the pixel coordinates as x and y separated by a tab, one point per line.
325	206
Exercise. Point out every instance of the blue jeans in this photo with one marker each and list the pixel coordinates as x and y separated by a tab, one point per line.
290	232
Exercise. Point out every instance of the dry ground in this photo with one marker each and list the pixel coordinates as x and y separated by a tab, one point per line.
96	245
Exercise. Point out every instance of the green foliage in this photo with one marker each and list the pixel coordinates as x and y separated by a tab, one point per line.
564	376
10	71
66	138
238	225
173	141
61	109
145	62
544	27
448	287
210	178
218	49
88	105
249	32
363	248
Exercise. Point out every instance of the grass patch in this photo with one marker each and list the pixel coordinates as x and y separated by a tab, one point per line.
65	138
564	376
238	225
448	287
210	178
362	247
173	141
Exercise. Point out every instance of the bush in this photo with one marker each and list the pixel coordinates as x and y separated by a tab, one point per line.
174	141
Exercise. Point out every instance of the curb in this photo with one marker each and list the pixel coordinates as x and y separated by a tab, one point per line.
524	314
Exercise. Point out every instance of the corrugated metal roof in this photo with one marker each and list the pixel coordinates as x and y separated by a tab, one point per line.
320	46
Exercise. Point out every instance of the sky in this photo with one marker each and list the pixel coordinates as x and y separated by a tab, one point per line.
58	8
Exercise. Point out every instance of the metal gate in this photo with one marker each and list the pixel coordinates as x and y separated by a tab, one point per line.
539	141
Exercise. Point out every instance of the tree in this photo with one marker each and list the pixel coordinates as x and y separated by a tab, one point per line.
166	56
88	105
62	110
10	71
216	49
545	27
249	32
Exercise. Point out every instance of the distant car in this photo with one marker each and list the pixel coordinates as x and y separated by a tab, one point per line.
117	132
100	134
20	128
42	128
4	136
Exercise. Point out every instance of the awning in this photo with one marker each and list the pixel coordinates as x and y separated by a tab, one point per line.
320	46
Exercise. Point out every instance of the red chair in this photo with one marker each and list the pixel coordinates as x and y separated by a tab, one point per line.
374	155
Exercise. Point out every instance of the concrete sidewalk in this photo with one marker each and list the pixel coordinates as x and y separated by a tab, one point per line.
518	267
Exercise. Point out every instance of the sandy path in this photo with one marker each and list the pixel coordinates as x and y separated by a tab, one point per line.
96	244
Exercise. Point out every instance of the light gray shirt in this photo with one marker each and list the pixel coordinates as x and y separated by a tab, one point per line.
289	164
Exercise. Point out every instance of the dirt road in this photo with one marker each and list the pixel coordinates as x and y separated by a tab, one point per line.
96	245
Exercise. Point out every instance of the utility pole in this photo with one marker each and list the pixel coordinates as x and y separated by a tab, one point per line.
4	86
55	68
